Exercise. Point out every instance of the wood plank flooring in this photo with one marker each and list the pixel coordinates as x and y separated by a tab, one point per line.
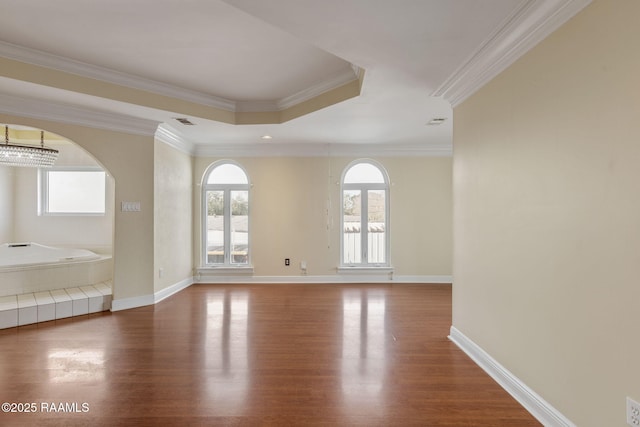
263	355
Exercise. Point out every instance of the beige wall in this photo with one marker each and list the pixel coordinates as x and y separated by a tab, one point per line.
547	216
295	208
6	204
129	159
90	232
173	174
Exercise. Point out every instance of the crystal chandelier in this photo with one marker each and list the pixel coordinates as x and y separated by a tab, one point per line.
26	155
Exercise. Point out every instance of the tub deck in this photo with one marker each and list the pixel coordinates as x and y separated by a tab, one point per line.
25	309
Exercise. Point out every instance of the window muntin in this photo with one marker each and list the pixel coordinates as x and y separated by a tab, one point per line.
365	207
72	191
226	216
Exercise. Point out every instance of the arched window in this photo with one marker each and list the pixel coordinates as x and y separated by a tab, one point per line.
365	215
225	212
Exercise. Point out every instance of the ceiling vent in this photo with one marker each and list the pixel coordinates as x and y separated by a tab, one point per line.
437	121
184	121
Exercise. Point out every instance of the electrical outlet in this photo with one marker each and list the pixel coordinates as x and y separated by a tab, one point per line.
633	412
287	261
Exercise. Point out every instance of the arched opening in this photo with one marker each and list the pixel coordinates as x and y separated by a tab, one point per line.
69	208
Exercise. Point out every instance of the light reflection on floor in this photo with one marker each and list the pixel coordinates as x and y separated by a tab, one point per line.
363	350
75	365
226	360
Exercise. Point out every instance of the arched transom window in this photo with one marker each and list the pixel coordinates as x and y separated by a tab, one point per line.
225	212
365	215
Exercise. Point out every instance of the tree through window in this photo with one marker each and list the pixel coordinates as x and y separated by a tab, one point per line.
226	215
365	212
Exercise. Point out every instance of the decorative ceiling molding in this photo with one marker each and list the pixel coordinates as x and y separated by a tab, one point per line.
44	59
529	24
172	137
61	113
47	60
322	87
299	97
269	149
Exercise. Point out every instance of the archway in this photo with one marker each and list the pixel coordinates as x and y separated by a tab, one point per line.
49	207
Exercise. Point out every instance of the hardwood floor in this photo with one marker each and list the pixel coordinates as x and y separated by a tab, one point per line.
264	355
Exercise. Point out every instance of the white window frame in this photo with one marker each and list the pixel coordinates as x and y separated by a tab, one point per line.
364	223
43	190
226	189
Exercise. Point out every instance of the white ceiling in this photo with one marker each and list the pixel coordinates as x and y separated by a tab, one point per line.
419	58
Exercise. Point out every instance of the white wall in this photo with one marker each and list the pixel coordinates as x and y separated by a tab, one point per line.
6	204
295	213
173	214
547	216
90	232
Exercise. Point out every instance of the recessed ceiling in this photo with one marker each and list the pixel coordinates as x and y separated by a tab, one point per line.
204	46
322	73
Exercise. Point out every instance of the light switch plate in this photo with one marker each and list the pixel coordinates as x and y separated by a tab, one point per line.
130	207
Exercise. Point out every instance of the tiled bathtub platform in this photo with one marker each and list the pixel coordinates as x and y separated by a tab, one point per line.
24	309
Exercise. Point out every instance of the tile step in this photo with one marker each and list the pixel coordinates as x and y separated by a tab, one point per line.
25	309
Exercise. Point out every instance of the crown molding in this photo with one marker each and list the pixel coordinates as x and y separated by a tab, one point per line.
268	149
172	138
530	23
256	106
311	92
318	89
47	60
62	113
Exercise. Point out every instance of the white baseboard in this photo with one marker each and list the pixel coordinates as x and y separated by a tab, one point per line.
328	279
143	300
173	289
133	302
536	405
424	279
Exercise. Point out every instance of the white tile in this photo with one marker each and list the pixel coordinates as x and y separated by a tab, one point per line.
96	299
64	309
46	306
27	309
60	295
64	304
26	300
9	303
79	300
9	318
105	289
8	311
44	297
46	312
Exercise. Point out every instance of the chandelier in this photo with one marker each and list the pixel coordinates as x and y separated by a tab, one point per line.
26	155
